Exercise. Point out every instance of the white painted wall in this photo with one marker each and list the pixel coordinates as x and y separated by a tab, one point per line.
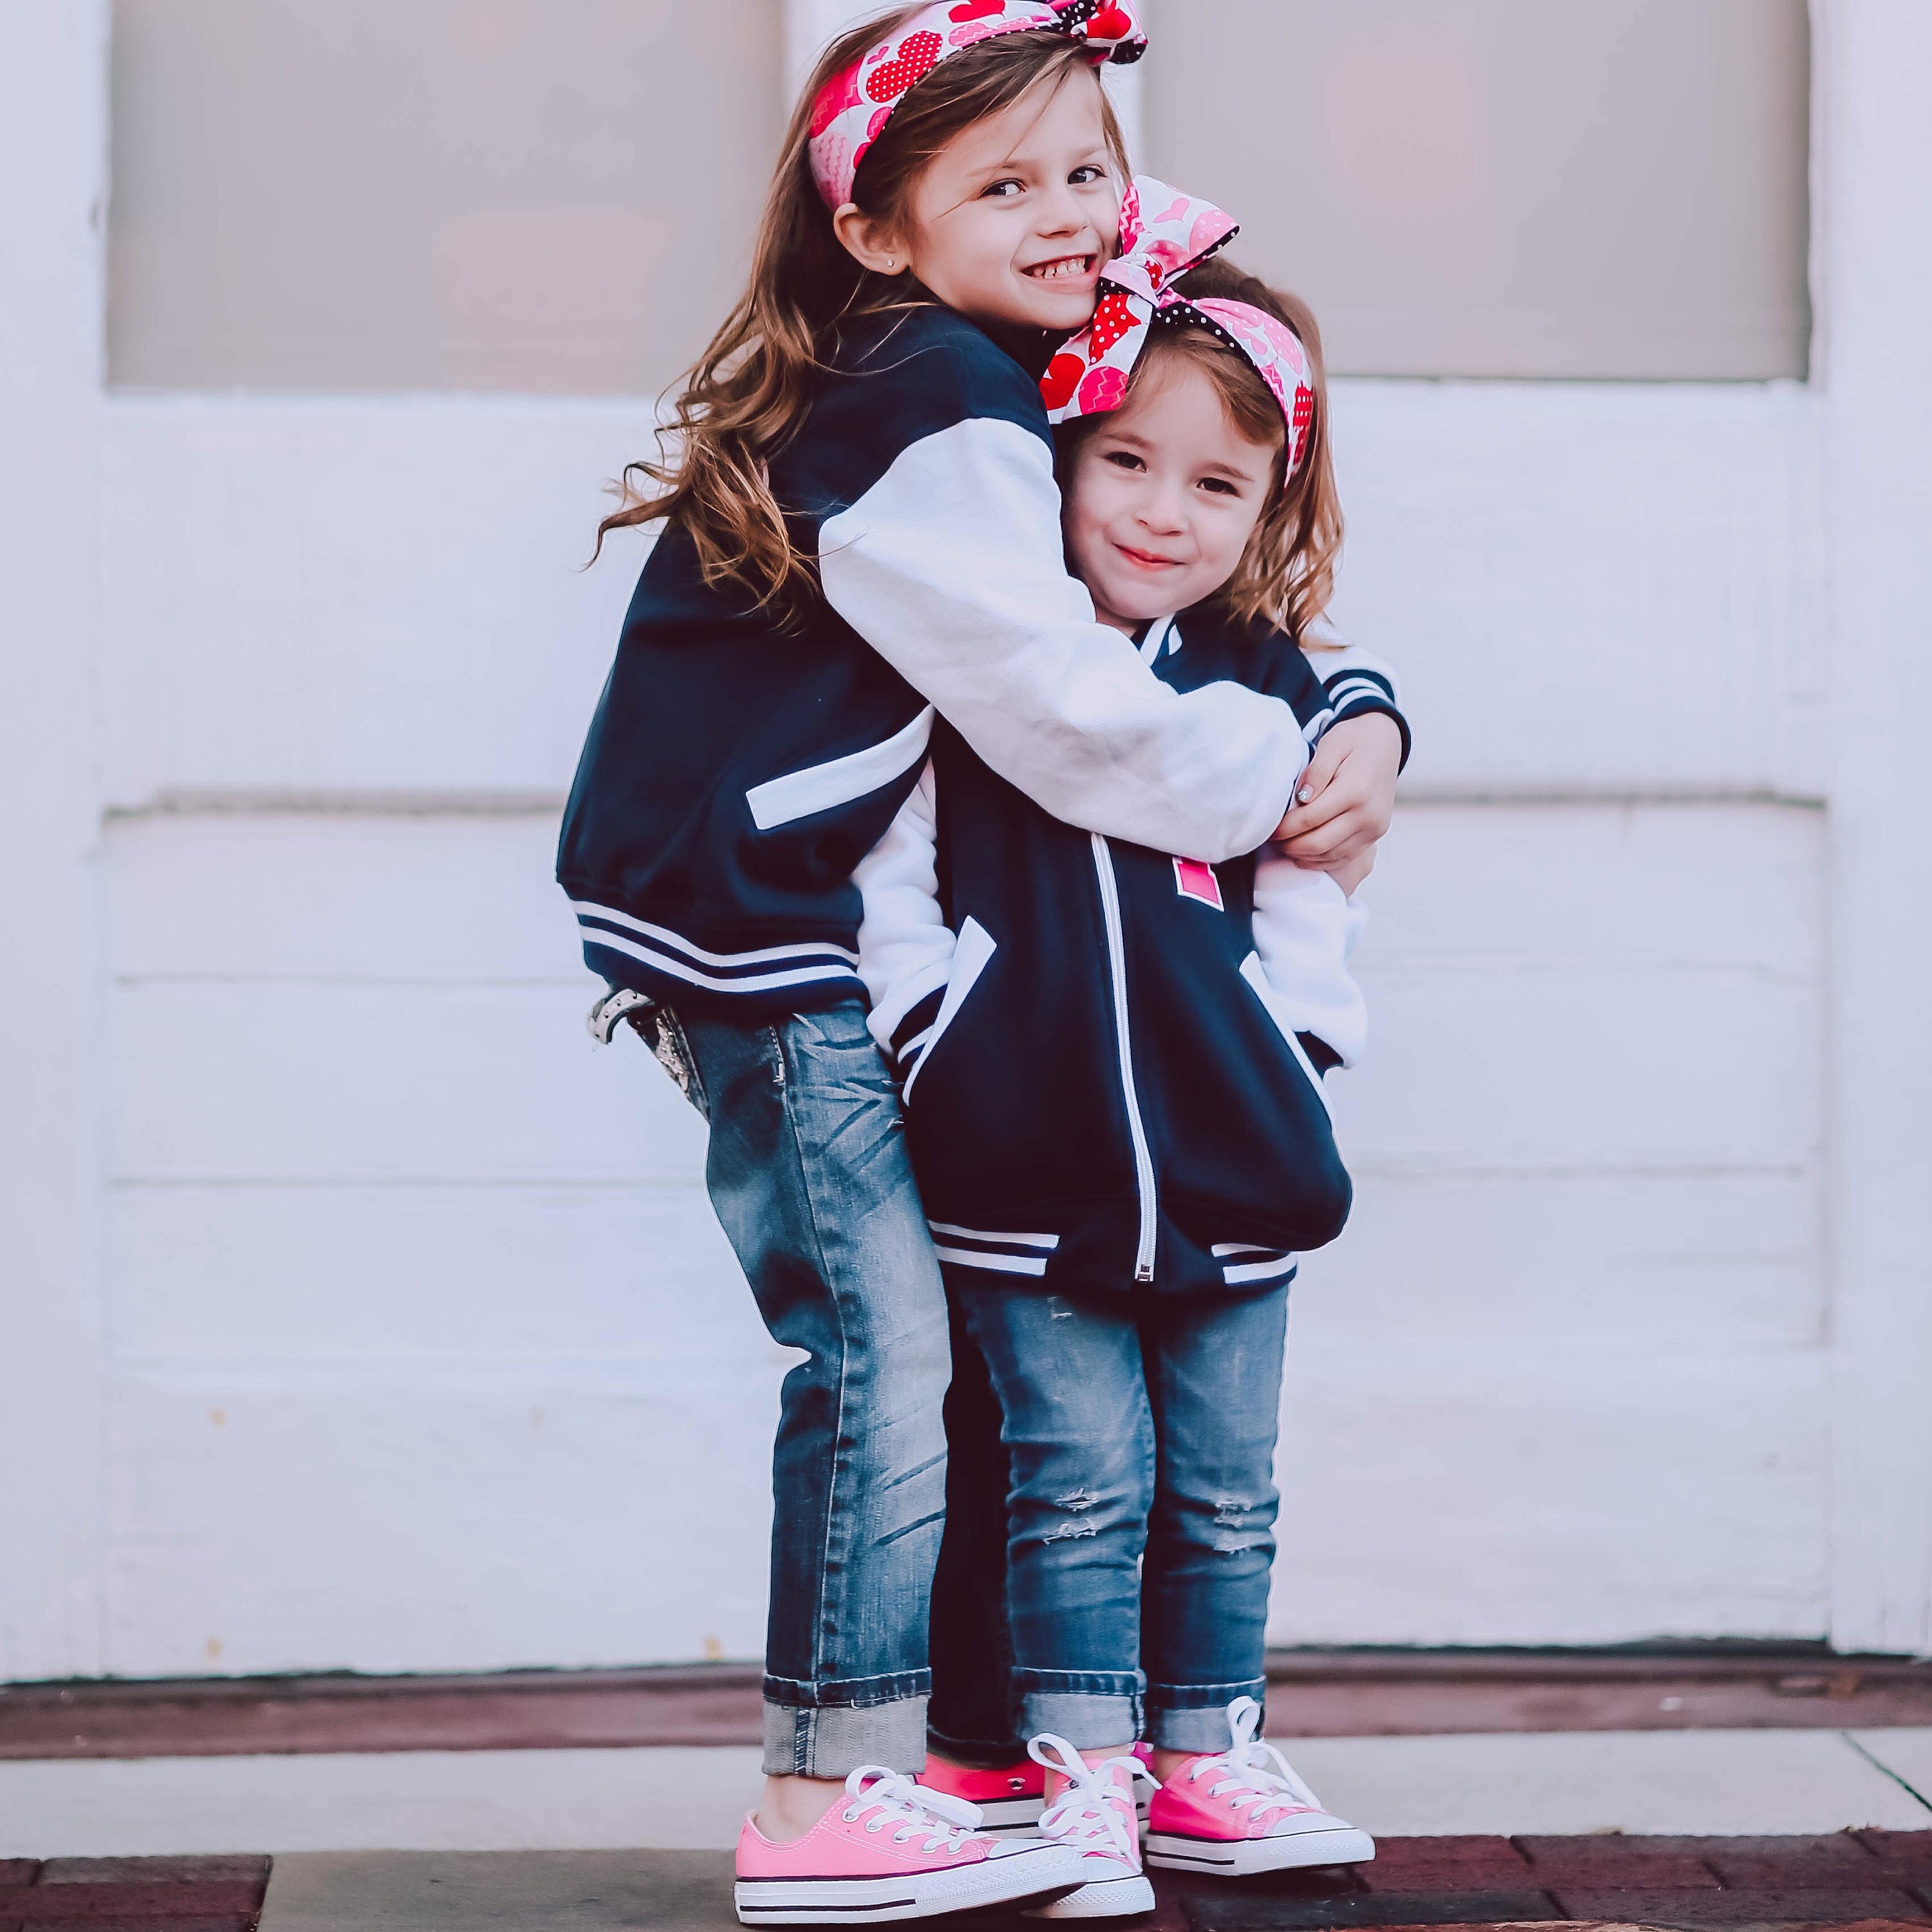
411	1343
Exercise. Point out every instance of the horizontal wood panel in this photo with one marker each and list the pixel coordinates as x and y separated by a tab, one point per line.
527	1521
360	1082
1597	586
1483	1066
408	1279
1504	1501
379	1205
262	1525
1581	587
470	897
1545	1267
425	1276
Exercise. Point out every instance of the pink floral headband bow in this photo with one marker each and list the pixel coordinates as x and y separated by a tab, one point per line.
854	107
1163	234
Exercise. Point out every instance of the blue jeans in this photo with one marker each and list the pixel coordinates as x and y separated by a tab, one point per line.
808	1171
1135	1427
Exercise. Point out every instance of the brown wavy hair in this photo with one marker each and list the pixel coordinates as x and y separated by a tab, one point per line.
745	396
1287	573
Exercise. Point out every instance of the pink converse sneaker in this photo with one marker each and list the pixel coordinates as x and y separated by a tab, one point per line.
1009	1799
890	1850
1095	1816
1238	1812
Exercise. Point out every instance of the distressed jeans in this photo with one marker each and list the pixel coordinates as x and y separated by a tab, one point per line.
808	1171
1135	1426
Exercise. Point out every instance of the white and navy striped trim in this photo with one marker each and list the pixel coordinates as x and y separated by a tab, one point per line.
1003	1254
1354	689
763	970
1263	1263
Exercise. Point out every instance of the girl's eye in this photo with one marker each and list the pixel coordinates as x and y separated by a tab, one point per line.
1004	189
1085	177
1123	459
1220	485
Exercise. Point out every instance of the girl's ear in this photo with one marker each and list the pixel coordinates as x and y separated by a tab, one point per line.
868	241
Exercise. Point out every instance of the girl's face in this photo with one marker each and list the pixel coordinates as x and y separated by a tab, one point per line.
1012	219
1163	497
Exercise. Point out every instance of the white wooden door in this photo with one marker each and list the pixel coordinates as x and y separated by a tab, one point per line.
357	1314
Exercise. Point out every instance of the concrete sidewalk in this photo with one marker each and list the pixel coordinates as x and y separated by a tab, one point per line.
1693	1782
479	1892
1872	1881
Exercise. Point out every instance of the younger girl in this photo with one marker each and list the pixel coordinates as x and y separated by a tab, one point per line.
860	532
1113	1102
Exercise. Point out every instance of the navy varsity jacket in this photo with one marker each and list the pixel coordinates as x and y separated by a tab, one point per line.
1105	1050
735	773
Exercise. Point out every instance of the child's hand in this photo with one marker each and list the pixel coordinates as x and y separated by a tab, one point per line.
1350	872
1346	796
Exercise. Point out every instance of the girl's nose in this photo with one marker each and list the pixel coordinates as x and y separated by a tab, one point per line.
1061	214
1161	513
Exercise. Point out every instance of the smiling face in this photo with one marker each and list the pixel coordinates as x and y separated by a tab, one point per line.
1162	495
1010	222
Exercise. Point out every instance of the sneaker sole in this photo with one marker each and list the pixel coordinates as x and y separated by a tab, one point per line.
1101	1898
1021	1878
1245	1858
1006	1815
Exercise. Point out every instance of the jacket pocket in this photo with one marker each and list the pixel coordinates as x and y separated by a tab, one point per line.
1253	971
1248	1264
838	782
971	955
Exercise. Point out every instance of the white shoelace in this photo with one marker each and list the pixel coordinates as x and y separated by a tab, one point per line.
894	1799
1254	1777
1093	1814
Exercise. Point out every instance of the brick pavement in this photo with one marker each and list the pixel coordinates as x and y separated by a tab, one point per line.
1866	1879
222	1894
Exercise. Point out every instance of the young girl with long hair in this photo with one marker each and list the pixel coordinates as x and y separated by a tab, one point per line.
1112	1062
859	532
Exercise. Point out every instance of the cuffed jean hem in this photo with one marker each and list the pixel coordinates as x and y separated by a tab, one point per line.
1194	1716
975	1753
832	1740
1089	1708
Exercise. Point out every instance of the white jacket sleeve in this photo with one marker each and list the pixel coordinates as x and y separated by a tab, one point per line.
1306	928
951	568
905	946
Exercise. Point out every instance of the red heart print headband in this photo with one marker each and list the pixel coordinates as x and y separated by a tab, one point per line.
854	107
1163	234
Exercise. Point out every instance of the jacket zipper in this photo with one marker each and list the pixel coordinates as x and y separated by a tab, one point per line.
1116	960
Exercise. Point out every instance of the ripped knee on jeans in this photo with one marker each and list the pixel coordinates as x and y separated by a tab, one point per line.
1078	1521
1235	1528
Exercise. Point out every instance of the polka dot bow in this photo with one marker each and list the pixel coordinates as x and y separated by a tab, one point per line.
1163	234
854	107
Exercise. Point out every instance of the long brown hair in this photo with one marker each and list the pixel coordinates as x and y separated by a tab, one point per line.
1287	573
746	395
